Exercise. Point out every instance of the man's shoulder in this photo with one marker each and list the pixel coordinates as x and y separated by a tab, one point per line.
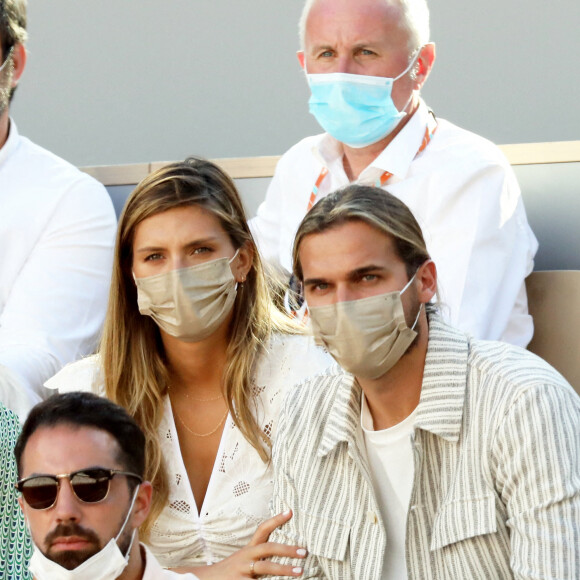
300	152
9	427
505	372
34	164
456	142
295	356
82	375
310	403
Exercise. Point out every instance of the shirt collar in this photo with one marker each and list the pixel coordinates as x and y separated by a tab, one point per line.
11	143
396	158
440	409
343	421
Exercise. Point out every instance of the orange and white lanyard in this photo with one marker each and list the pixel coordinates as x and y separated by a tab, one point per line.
386	175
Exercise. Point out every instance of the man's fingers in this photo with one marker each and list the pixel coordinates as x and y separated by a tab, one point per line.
266	528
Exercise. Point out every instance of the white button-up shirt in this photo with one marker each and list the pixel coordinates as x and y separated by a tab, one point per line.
57	231
464	195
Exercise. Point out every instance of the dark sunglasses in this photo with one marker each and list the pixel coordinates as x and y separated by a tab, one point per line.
89	486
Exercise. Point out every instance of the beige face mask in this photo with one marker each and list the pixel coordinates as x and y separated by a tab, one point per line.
189	303
366	337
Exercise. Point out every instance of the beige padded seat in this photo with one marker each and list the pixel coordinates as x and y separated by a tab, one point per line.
554	303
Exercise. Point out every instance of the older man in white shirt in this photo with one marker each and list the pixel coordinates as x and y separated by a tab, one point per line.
57	228
366	62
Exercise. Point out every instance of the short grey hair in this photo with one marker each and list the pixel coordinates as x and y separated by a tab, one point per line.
415	17
12	23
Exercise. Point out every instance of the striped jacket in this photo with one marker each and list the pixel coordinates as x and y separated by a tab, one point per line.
496	492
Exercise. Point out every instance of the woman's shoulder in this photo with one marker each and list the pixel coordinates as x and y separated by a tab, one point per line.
291	358
82	375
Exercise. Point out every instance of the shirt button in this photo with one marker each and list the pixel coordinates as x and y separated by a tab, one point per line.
372	517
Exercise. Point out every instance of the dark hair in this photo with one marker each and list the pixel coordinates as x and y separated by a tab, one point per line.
374	206
80	409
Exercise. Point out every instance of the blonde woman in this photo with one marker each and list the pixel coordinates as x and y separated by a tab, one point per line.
195	350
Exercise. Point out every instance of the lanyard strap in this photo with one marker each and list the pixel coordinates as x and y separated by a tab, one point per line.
386	175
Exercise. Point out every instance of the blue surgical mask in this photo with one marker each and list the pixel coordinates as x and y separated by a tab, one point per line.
357	110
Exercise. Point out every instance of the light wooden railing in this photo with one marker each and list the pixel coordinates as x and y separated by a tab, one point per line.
248	167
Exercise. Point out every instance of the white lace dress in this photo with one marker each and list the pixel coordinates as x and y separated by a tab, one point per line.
240	487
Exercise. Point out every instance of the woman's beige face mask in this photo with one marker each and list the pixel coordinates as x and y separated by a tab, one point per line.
189	303
366	337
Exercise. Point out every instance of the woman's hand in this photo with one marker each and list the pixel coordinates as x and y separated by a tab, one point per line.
251	561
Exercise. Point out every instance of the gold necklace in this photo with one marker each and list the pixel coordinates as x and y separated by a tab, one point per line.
203	400
187	396
201	434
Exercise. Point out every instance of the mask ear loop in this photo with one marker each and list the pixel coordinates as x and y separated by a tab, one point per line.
230	262
420	306
417	318
412	63
234	256
413	75
408	283
126	555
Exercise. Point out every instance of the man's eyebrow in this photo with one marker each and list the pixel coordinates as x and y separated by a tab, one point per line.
319	47
365	270
353	274
45	473
313	281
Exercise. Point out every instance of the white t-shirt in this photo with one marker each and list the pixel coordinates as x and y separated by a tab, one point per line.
464	194
390	456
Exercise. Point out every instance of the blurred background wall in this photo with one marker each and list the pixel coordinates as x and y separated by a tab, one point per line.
123	81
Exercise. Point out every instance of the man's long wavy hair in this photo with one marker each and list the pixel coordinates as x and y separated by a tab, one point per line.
132	354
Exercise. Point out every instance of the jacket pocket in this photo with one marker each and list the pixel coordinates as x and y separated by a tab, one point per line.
463	519
325	537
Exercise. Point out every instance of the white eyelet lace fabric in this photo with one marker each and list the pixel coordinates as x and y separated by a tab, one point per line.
240	488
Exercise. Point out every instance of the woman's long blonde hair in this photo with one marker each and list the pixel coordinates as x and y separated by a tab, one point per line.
132	354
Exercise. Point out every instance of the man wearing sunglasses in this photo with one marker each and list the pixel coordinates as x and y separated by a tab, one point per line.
81	463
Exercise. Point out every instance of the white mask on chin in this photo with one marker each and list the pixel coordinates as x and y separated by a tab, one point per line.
107	564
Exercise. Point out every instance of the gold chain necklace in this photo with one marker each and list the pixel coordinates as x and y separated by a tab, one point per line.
203	400
187	396
201	434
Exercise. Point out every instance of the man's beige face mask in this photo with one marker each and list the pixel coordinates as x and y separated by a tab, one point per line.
190	303
366	337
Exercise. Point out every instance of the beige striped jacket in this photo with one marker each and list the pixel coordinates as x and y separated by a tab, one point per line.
496	492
